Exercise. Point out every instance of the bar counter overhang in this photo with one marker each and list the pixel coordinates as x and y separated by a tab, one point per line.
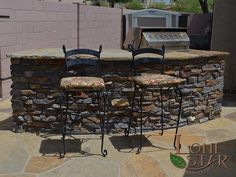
36	78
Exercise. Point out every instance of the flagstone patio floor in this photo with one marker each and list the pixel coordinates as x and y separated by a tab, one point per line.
30	155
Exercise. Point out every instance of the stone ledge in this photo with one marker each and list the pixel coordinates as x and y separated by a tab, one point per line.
116	54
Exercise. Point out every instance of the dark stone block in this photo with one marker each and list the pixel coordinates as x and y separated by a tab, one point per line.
200	108
187	91
192	80
41	95
196	71
204	119
185	74
20	79
39	118
18	105
35	86
27	92
51	118
44	101
27	117
20	86
210	67
207	89
29	102
174	111
15	92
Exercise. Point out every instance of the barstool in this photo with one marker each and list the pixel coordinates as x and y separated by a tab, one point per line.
75	84
154	83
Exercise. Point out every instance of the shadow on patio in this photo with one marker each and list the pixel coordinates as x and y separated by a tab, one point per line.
7	124
130	143
54	146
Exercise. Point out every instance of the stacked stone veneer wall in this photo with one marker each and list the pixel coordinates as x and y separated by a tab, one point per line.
35	88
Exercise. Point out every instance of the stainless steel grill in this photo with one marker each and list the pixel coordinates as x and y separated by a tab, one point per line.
152	37
154	28
171	40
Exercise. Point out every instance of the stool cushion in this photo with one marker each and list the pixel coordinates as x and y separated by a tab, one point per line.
158	80
95	83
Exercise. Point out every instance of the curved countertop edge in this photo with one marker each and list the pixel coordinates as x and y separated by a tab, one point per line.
115	54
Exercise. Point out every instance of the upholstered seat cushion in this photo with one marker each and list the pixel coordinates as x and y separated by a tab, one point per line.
157	80
69	83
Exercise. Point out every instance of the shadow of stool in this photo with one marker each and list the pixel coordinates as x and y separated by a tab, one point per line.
122	143
53	146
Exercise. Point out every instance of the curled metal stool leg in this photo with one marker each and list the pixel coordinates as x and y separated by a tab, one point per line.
62	154
103	151
63	126
179	115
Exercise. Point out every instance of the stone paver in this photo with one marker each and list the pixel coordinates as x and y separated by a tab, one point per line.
231	116
214	124
141	166
30	142
5	109
3	115
13	158
219	135
89	167
20	175
29	155
229	110
169	169
42	163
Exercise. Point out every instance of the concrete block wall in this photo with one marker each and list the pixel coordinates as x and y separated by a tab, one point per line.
46	24
99	25
33	24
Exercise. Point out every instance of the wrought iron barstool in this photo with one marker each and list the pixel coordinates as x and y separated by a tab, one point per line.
161	83
75	84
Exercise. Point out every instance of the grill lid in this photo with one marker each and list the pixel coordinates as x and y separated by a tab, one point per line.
153	37
171	40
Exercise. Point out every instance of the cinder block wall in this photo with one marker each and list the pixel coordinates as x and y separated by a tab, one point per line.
224	38
99	25
33	24
43	24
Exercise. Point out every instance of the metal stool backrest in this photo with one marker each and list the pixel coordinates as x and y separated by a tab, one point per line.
137	61
73	59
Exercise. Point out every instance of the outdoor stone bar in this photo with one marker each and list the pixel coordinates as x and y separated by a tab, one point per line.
36	78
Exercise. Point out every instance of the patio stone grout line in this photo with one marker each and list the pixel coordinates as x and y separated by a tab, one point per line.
206	137
25	149
49	170
26	163
70	159
164	171
111	162
29	158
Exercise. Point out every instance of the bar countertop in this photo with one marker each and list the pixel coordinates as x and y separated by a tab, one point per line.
115	54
